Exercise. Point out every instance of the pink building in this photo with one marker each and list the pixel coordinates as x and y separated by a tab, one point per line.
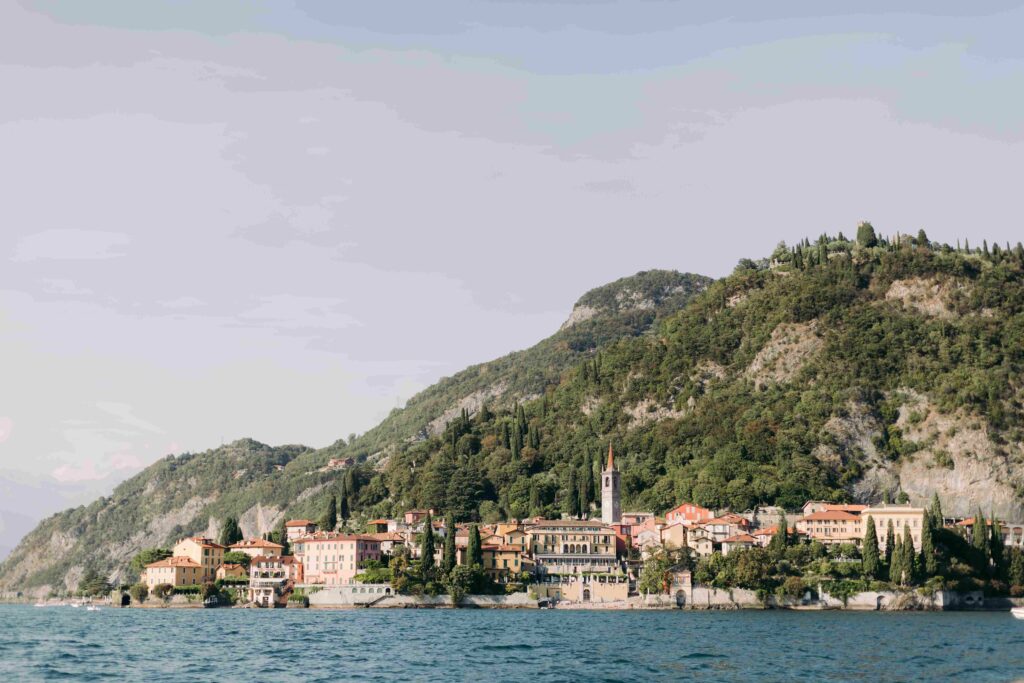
688	514
333	558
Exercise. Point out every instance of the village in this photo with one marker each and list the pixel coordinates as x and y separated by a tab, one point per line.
545	562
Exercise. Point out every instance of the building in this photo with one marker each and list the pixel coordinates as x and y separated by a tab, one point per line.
297	528
1013	532
389	540
721	528
257	547
631	518
202	551
596	588
900	516
737	542
832	527
379	526
611	511
414	517
502	562
272	578
332	558
812	506
174	571
567	546
688	514
231	571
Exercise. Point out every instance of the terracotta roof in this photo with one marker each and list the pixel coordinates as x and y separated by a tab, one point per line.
204	542
256	543
772	530
571	522
386	536
334	537
175	562
831	515
740	538
379	521
300	522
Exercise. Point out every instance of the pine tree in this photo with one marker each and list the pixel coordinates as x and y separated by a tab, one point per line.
936	511
427	547
979	535
869	561
230	533
448	560
330	519
929	563
474	551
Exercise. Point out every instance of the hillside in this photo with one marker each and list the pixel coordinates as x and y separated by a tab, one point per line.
193	493
841	369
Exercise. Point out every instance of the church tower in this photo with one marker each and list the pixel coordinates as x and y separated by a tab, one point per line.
611	511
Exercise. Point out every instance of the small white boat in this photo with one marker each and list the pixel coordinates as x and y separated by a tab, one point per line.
1017	612
40	604
92	608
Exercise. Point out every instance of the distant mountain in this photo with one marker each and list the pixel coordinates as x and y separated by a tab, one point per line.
193	493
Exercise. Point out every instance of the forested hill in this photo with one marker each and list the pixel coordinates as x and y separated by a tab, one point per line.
259	484
840	369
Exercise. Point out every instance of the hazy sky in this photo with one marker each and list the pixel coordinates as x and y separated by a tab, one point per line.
279	219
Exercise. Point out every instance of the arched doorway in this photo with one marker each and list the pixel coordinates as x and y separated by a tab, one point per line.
586	595
680	598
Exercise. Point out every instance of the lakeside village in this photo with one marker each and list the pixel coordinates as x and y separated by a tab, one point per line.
884	556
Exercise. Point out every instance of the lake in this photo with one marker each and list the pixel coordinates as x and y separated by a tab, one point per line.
62	643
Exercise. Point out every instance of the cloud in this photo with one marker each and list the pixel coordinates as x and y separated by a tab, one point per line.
70	245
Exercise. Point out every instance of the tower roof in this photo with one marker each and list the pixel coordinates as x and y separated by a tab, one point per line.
611	458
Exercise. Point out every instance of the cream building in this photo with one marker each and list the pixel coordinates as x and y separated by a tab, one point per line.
832	527
257	547
900	515
202	551
568	546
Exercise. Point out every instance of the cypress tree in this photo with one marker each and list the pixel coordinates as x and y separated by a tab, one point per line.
908	554
1016	574
534	499
506	439
936	511
781	538
330	519
448	560
929	563
427	547
890	543
869	561
897	571
995	545
979	535
230	533
343	508
474	551
573	499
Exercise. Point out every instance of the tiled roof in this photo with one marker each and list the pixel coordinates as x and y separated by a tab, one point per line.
299	522
256	543
831	515
175	562
740	538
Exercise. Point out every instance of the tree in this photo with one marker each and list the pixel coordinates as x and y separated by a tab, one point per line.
890	543
281	536
1016	572
448	560
343	508
897	569
936	511
979	529
162	591
230	533
655	572
995	545
907	561
330	519
474	551
929	562
922	238
237	557
572	498
149	556
869	559
427	548
93	583
781	538
866	235
139	593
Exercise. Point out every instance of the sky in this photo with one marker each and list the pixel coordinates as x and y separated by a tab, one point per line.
280	220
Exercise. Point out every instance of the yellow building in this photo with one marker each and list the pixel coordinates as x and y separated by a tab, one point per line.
202	551
257	547
502	562
175	571
232	571
832	527
900	515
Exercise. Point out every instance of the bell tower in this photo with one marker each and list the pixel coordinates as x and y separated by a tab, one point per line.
611	511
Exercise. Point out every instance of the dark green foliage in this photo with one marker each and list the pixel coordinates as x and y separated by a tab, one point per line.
230	533
929	561
936	511
427	548
448	559
474	550
149	556
139	593
866	235
870	563
890	543
93	583
979	531
329	521
237	557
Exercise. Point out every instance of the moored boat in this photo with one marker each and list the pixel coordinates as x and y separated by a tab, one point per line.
1017	612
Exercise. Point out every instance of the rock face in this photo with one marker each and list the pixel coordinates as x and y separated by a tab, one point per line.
932	297
791	346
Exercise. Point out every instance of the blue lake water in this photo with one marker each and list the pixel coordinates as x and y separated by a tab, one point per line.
61	643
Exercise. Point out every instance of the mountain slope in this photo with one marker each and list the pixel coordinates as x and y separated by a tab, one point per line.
193	493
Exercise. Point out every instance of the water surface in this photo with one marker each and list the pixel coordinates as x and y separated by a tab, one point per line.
61	643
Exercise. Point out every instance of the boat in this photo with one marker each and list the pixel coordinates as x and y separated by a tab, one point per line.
211	601
40	604
92	608
1017	612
